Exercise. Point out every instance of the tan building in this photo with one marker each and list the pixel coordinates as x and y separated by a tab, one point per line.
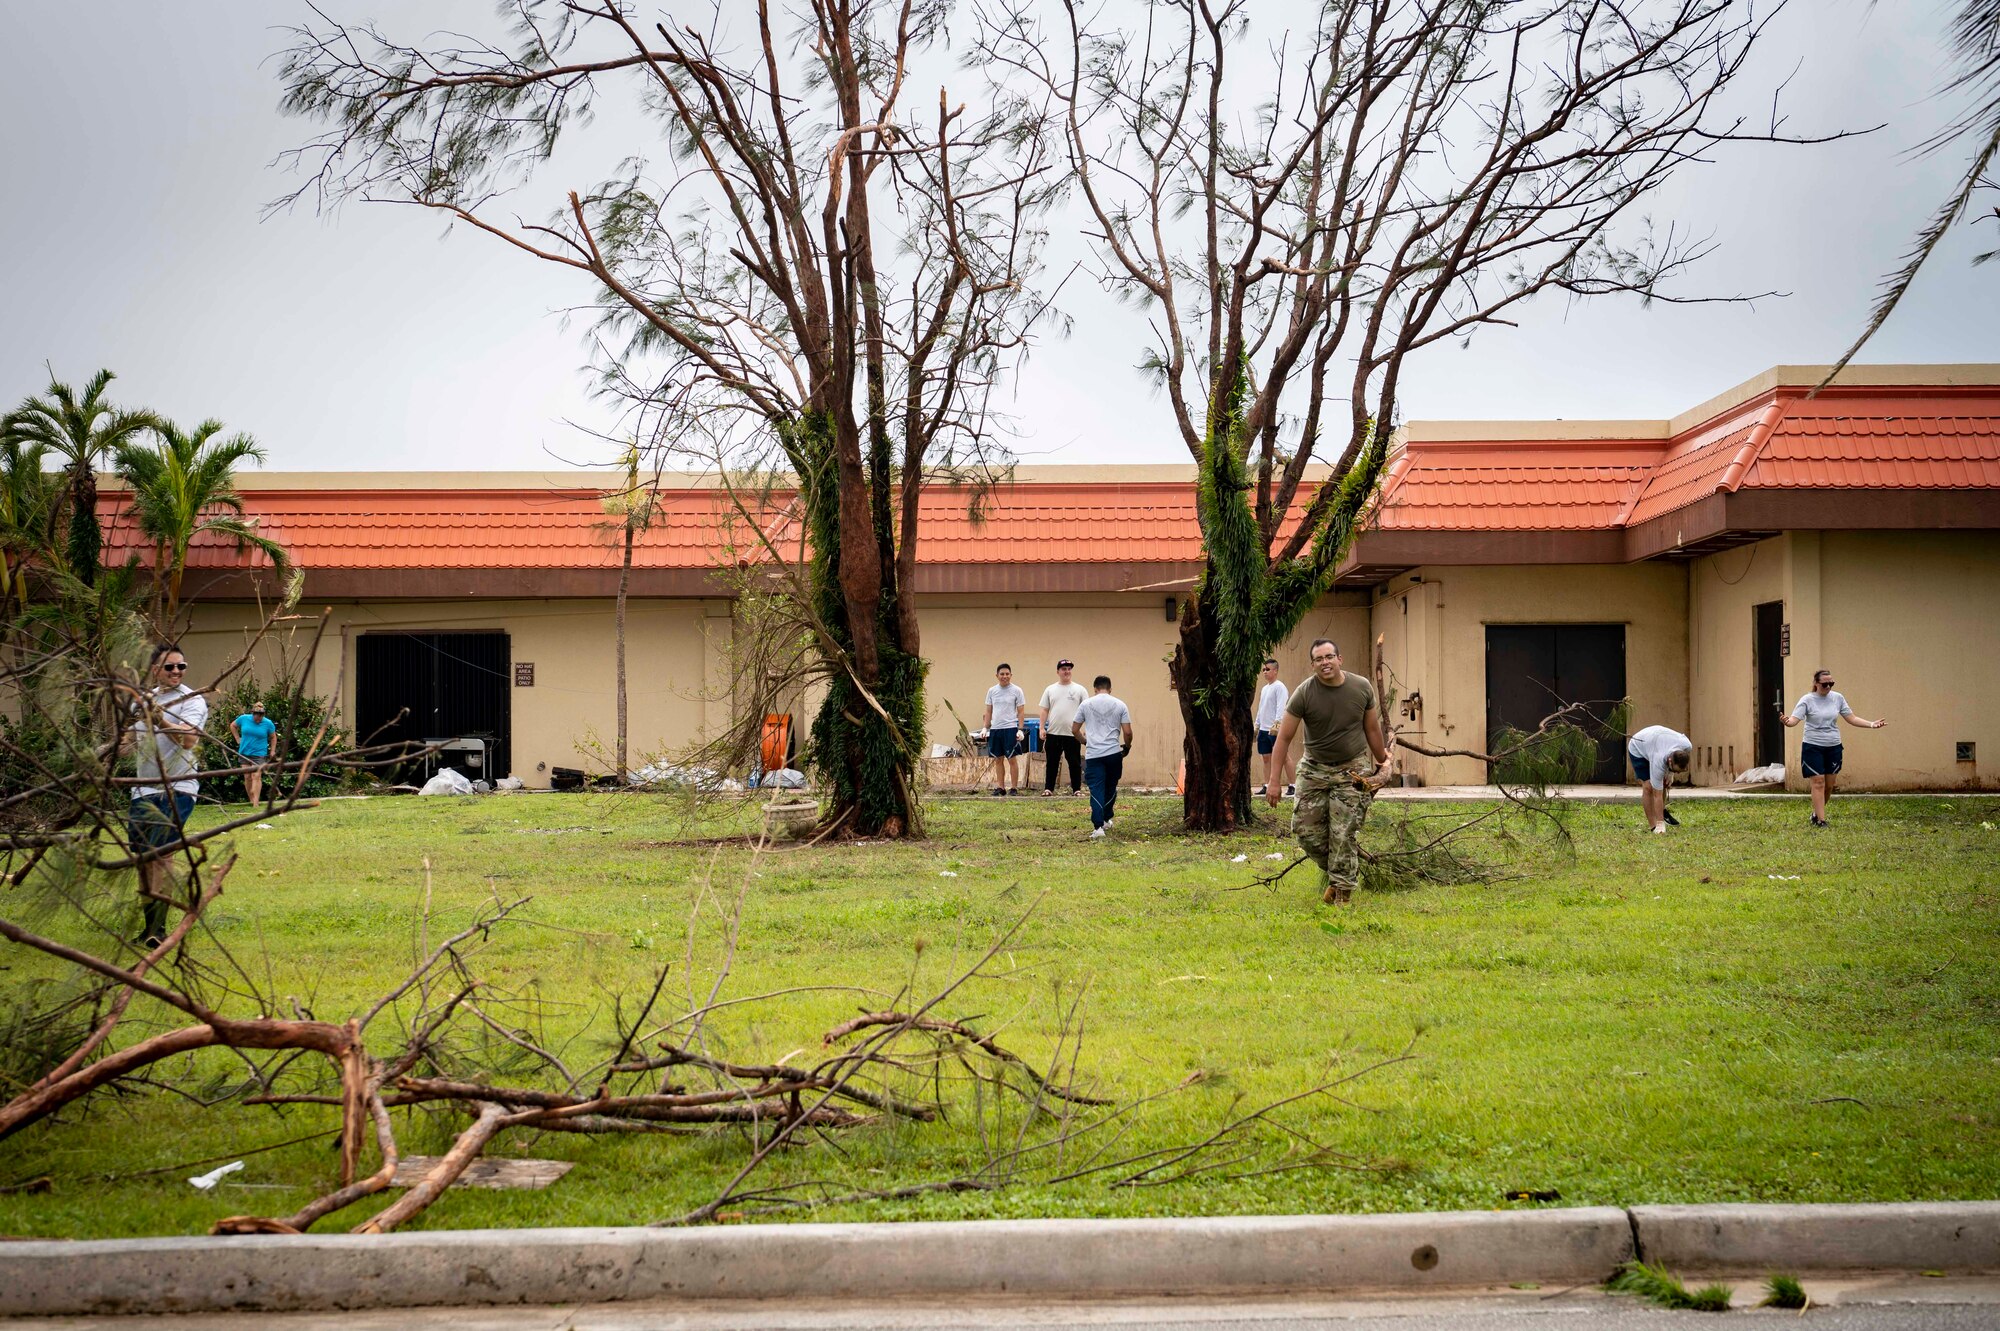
1700	567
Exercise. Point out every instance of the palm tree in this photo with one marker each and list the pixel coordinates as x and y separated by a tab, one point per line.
30	503
183	487
635	508
82	430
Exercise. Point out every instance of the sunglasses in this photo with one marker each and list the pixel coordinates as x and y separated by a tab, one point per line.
175	668
1824	684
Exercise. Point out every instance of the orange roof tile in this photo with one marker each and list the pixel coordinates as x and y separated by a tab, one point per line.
1870	438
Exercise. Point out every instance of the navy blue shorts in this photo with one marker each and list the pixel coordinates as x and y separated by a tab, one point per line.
1819	759
1266	741
1003	742
155	821
1640	768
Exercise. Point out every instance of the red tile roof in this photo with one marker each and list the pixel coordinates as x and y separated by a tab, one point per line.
409	529
1868	438
1861	438
1524	484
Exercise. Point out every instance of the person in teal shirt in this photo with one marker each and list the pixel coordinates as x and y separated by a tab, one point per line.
254	732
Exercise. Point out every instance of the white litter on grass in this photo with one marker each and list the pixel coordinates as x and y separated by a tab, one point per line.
214	1176
264	827
1987	826
1275	855
946	873
1238	859
1782	877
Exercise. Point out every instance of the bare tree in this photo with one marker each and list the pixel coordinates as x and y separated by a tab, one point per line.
832	265
1391	176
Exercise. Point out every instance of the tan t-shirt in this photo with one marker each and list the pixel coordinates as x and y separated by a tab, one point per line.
1332	718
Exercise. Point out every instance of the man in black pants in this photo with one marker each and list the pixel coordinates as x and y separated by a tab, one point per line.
1059	703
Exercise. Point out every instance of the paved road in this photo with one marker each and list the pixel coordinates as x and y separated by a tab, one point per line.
1887	1304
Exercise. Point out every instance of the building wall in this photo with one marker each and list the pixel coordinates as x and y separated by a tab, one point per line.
1127	637
1435	618
1909	622
677	673
1723	593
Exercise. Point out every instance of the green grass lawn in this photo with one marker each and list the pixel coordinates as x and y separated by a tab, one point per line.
1746	1010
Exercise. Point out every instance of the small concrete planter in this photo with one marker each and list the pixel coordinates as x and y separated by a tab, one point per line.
792	820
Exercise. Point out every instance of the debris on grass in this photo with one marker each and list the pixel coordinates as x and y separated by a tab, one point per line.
1665	1289
1785	1291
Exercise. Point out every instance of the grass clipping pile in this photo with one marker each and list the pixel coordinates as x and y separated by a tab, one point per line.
444	1041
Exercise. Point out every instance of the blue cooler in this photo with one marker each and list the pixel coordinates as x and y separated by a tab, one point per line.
1034	726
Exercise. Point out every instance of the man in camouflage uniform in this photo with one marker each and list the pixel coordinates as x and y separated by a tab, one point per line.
1343	743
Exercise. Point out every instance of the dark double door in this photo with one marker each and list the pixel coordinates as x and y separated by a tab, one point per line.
1533	670
413	687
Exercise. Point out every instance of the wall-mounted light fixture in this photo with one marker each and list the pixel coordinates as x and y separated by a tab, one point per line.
1173	609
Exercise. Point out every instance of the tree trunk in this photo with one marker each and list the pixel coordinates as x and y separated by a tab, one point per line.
1219	741
86	541
867	760
624	582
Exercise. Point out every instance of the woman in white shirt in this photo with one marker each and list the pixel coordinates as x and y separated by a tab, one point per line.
1821	713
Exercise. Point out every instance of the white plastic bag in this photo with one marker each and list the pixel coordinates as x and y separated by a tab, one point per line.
785	778
1758	776
448	781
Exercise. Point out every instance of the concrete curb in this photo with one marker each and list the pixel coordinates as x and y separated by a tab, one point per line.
1068	1258
1241	1256
1729	1239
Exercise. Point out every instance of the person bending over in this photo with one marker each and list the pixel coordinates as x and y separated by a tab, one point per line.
1657	753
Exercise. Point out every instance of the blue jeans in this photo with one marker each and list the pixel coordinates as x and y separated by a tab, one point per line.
1101	775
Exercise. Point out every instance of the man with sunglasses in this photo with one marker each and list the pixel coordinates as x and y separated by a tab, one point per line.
1821	712
165	733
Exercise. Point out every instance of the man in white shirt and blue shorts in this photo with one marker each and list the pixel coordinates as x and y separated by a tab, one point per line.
165	731
1271	700
1006	729
1821	712
1657	753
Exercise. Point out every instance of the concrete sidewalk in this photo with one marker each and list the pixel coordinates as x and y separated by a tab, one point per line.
1231	1257
1865	1303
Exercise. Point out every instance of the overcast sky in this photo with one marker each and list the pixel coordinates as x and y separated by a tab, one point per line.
138	139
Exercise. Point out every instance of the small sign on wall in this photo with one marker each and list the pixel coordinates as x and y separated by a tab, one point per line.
1784	647
524	674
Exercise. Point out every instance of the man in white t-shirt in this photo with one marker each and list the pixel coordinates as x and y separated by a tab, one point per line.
1104	725
165	731
1271	700
1006	708
1822	711
1059	703
1657	753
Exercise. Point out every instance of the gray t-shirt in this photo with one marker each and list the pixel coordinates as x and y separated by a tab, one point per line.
163	763
1654	745
1007	705
1062	700
1103	719
1822	716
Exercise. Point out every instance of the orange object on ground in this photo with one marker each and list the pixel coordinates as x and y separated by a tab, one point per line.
776	750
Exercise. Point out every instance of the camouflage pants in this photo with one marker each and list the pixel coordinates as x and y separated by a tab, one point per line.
1332	805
